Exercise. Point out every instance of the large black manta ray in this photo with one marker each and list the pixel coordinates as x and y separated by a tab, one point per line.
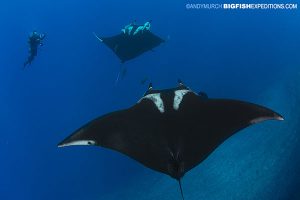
171	130
129	46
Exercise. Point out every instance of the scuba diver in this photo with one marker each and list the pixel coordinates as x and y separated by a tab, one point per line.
34	40
132	27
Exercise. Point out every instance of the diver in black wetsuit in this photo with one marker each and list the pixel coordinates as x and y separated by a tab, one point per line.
35	39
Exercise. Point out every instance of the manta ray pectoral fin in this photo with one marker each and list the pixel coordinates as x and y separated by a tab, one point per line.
78	138
77	143
261	119
97	37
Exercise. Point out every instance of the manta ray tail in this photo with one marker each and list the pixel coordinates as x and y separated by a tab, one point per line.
179	181
118	77
121	73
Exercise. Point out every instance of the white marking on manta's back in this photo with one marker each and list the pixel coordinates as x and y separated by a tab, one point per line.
156	99
179	94
79	142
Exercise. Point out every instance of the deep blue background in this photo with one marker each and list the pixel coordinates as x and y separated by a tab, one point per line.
248	55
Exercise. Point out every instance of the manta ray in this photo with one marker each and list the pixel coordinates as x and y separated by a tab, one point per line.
128	47
172	130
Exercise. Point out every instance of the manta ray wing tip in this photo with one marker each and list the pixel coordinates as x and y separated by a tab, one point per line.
279	117
61	144
274	117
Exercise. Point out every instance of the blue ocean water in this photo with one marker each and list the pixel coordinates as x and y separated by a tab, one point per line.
251	55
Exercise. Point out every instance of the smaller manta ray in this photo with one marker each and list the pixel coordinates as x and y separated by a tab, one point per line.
171	130
128	47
